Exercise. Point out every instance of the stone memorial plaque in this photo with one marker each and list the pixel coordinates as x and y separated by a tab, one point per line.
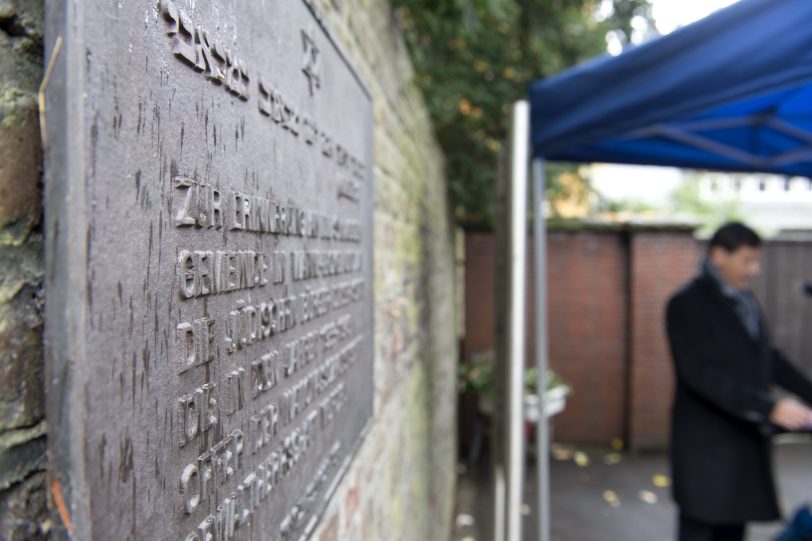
209	302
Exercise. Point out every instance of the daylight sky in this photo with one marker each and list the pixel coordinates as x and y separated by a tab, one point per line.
652	184
671	14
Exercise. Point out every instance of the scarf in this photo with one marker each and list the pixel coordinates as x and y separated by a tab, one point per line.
744	303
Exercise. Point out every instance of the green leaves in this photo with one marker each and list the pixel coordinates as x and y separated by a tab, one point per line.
475	57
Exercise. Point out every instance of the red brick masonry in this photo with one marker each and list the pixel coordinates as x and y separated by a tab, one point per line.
608	288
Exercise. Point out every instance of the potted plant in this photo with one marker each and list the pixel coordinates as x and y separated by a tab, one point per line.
477	376
555	397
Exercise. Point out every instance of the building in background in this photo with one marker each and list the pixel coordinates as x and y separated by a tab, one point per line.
770	202
773	204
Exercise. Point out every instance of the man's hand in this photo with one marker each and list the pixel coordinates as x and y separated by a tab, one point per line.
791	415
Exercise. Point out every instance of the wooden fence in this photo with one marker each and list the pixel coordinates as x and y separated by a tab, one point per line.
786	267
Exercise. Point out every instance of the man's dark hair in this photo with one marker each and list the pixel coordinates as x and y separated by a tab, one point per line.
734	235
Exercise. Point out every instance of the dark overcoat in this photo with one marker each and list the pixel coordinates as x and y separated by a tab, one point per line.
721	458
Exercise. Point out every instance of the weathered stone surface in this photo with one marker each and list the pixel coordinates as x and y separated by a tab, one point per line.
20	166
21	389
404	474
209	267
23	508
22	452
21	36
21	384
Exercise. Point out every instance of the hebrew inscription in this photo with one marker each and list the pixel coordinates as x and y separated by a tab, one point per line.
226	363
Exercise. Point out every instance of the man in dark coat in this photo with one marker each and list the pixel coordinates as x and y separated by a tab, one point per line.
724	413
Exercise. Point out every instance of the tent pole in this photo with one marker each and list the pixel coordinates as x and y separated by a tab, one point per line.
542	430
517	216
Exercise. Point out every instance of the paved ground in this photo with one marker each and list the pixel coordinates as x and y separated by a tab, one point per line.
599	495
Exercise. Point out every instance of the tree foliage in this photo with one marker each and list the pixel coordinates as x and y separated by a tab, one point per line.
475	57
686	199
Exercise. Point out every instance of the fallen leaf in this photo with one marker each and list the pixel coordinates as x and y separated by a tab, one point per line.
647	496
465	520
617	444
561	452
661	481
612	458
611	498
581	459
59	501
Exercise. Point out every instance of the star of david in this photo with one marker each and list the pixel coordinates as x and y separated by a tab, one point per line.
311	65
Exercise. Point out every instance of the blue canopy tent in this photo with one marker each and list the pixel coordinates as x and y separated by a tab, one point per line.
732	92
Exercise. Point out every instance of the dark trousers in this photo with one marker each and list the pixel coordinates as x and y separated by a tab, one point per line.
693	530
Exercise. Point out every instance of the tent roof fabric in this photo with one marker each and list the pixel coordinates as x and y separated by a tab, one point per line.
731	92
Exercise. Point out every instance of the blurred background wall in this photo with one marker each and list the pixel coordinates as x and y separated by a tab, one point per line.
609	284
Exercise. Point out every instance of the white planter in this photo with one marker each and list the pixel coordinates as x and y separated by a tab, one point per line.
554	402
556	399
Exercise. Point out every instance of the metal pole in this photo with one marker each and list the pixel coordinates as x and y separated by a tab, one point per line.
517	208
542	432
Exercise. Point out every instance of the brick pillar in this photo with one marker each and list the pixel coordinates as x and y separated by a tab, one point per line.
22	428
587	321
660	262
588	304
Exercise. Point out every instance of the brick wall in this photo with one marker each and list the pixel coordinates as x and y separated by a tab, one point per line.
480	323
607	292
401	484
23	513
660	262
587	329
587	303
